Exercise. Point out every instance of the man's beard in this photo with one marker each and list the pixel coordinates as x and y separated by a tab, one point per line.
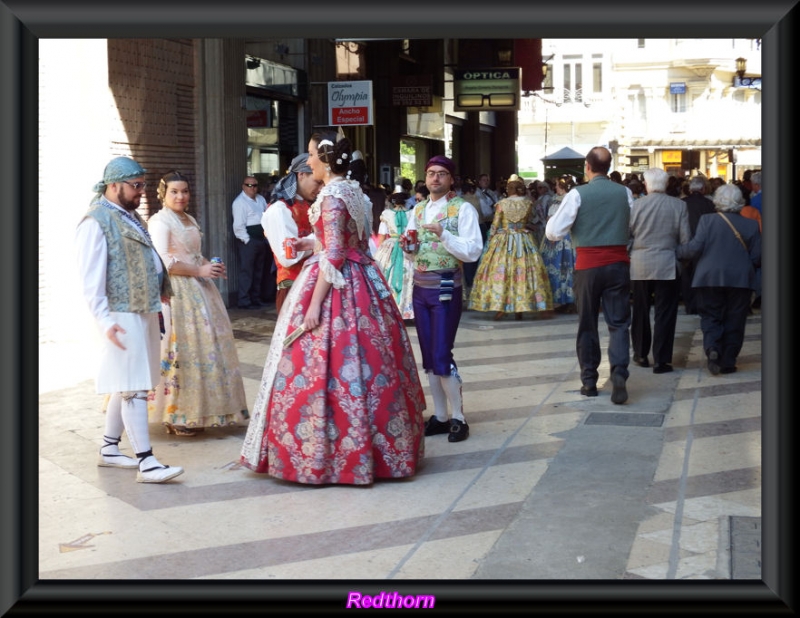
129	205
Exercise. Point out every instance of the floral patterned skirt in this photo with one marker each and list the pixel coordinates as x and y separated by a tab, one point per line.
201	382
511	276
343	403
399	275
559	261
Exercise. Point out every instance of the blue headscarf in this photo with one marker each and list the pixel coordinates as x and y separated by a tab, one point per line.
117	170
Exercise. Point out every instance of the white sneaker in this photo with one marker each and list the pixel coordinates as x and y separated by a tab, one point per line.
151	471
116	460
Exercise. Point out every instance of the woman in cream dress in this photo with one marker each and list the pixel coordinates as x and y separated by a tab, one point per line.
201	383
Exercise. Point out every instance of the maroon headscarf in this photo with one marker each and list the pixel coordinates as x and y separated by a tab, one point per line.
443	162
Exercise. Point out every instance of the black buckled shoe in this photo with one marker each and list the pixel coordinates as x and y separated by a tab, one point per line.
662	368
433	426
641	361
459	431
589	391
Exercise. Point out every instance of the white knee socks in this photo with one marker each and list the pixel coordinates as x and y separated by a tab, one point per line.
452	386
134	416
114	424
439	398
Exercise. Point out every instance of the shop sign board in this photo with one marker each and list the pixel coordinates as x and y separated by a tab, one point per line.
412	90
350	103
494	89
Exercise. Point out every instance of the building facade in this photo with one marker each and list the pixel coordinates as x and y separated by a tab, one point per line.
220	109
677	104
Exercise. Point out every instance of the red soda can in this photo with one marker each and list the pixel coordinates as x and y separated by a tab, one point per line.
411	244
289	250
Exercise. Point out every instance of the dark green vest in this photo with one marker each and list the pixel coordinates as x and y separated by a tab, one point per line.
604	216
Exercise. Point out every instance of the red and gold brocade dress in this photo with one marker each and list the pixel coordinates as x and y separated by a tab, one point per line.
343	403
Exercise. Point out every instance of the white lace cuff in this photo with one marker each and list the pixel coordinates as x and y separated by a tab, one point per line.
332	274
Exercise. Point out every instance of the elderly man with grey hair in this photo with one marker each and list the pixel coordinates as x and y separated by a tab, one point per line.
728	248
659	223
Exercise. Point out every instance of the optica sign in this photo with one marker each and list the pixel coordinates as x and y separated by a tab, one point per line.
350	103
486	89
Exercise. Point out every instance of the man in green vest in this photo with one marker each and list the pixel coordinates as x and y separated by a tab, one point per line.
449	234
597	215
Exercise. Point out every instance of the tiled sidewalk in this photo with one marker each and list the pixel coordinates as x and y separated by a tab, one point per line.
550	485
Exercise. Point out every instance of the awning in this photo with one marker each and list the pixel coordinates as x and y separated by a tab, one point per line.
715	144
748	158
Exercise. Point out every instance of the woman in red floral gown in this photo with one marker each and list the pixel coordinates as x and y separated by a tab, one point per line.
342	403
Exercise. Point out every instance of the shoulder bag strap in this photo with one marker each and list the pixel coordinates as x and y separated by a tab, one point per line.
735	231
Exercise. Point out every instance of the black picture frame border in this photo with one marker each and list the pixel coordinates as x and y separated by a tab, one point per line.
23	23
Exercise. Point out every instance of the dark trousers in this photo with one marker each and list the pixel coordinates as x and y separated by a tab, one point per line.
269	283
663	295
610	286
723	316
252	258
485	230
688	293
437	323
470	268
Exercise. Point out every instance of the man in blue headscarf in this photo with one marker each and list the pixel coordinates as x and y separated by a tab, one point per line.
124	284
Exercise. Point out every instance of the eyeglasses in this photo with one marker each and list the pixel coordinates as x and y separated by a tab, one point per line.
431	174
138	186
250	186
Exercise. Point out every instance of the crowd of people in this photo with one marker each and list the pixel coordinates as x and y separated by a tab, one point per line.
340	399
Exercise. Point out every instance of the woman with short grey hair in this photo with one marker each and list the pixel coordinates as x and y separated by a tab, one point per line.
728	247
728	198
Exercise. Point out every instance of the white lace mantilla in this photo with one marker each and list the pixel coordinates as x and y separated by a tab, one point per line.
358	205
349	191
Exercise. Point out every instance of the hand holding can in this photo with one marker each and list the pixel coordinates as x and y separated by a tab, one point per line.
289	249
218	268
411	240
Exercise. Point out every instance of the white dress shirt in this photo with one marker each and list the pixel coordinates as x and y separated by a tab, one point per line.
92	257
279	225
488	199
468	245
246	212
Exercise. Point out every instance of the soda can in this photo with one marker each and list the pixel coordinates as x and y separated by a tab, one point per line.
216	260
411	244
289	250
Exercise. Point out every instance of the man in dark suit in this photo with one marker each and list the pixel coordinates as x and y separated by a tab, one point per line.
697	205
